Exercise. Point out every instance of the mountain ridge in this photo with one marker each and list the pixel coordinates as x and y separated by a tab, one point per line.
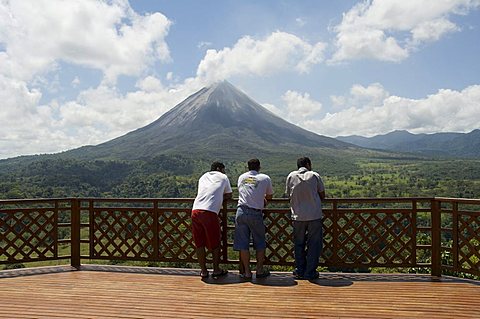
443	144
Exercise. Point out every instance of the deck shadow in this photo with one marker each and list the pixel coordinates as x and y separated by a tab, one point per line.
274	280
34	271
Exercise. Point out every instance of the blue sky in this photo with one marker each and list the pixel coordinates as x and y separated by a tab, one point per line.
83	72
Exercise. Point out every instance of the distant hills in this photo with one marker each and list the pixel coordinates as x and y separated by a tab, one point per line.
463	145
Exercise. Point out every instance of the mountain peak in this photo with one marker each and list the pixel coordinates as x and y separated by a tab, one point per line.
218	119
398	133
222	85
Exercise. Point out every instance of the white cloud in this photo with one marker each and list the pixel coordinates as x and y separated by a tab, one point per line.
373	111
24	125
150	84
432	30
278	52
361	96
108	36
38	37
389	29
75	81
300	22
204	44
95	116
272	108
300	107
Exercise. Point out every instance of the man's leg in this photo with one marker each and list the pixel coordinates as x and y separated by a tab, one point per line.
260	260
257	228
299	239
245	261
216	260
199	237
202	260
241	268
241	238
314	247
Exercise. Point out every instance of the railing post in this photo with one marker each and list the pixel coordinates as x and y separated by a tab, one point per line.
335	244
156	239
223	216
75	233
436	238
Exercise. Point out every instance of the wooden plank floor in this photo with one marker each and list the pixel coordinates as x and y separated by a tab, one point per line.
129	292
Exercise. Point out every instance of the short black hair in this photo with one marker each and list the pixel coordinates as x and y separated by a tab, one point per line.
303	162
216	166
254	164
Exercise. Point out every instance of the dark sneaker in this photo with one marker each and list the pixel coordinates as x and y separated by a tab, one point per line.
264	274
315	276
297	276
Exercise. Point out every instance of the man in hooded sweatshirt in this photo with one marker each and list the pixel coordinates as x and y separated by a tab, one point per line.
305	189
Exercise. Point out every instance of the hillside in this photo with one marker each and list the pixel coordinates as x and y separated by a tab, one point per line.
463	145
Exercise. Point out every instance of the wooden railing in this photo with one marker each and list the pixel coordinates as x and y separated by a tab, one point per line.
440	234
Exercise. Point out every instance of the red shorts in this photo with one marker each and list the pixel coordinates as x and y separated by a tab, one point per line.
205	229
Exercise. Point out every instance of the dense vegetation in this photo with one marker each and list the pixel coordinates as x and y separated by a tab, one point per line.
176	176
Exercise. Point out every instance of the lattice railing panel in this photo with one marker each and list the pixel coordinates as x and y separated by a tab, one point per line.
28	235
469	243
122	234
175	236
328	231
279	238
375	239
279	249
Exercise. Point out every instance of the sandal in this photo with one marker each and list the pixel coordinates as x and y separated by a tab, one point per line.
245	277
222	273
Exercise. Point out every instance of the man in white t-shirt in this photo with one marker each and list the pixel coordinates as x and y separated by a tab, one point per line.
254	189
213	188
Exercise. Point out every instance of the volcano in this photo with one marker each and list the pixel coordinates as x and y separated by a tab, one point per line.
219	120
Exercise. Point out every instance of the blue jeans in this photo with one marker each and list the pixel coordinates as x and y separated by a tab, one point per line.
249	221
308	240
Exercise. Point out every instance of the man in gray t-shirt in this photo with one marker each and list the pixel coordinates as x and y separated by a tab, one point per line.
306	190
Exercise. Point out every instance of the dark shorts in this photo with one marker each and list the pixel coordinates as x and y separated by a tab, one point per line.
249	221
205	229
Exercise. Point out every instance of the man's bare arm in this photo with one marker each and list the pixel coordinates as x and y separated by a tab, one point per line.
322	194
227	196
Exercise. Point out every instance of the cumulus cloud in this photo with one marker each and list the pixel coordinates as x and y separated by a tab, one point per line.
361	96
108	36
390	30
280	51
371	110
95	116
38	37
300	107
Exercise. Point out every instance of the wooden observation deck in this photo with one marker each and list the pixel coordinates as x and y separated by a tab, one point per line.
437	237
